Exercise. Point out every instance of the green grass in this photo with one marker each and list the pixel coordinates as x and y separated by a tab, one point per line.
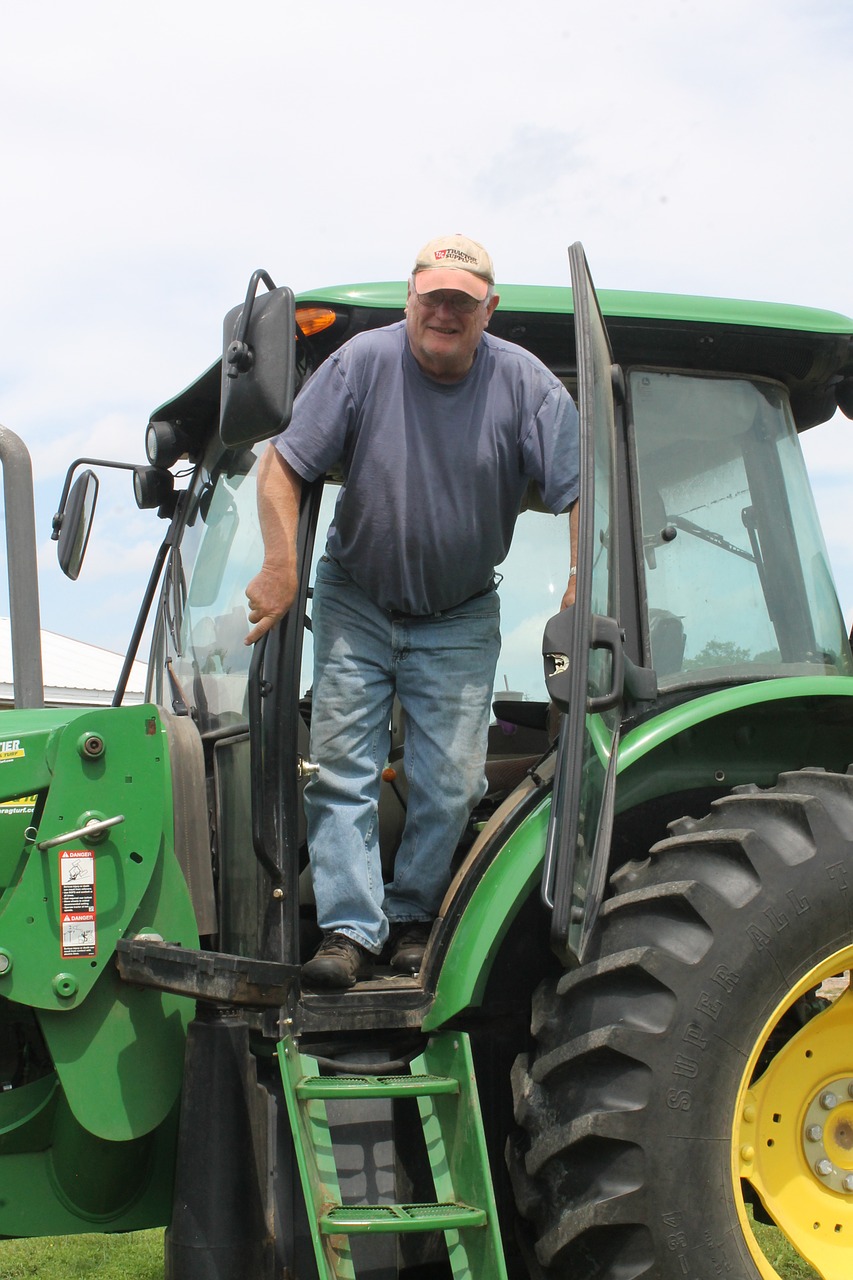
139	1256
780	1255
135	1256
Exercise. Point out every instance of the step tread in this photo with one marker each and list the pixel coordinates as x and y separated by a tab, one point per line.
375	1086
355	1219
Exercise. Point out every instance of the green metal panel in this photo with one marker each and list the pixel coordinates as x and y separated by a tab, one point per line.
27	741
50	964
122	1186
27	1114
120	1053
117	1050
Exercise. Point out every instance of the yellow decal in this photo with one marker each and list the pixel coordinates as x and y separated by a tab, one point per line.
24	804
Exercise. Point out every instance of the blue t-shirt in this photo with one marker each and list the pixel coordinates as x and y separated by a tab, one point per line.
434	473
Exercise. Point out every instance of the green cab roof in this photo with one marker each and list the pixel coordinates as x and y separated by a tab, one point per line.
809	350
615	303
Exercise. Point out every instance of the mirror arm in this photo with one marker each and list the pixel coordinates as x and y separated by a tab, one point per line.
69	476
239	356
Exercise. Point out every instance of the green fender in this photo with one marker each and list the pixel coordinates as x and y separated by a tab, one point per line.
515	869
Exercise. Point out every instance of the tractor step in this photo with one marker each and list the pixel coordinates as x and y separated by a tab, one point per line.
442	1080
353	1219
375	1086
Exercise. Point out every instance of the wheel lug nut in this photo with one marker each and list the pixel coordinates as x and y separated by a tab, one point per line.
824	1168
814	1133
828	1100
847	1182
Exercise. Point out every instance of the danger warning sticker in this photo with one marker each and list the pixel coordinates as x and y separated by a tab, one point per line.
77	903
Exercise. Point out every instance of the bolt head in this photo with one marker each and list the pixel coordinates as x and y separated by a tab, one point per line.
814	1133
847	1182
823	1168
64	985
828	1100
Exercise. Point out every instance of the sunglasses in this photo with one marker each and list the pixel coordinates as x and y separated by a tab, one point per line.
462	303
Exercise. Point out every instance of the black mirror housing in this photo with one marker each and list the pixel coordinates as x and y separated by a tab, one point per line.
258	366
76	524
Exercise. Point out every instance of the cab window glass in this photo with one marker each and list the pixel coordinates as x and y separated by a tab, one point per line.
205	620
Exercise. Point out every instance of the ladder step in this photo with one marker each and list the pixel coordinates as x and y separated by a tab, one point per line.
462	1198
358	1219
375	1086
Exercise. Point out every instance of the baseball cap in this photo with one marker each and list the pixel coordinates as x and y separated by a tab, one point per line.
455	262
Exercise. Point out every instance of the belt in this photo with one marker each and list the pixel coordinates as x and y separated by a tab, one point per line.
397	615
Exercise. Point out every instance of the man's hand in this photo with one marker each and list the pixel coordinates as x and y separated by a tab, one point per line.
270	595
569	593
273	590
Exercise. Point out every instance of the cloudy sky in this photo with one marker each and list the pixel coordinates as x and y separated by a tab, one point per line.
154	154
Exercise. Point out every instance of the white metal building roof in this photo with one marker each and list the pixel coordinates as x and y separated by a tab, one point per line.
75	673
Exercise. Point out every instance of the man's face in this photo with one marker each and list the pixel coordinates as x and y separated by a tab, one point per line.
443	338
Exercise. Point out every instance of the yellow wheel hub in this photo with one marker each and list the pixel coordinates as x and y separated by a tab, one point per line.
793	1131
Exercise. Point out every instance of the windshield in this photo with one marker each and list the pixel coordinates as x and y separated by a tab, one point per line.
202	663
737	577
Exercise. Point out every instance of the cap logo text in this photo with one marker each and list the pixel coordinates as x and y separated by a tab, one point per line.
458	255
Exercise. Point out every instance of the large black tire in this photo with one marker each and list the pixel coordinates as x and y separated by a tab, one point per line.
686	1069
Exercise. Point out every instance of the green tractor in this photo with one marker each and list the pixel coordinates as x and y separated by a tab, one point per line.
628	1052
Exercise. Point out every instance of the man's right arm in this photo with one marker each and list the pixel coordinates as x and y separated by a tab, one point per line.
272	591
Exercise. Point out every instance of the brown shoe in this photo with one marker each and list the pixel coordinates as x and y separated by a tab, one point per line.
408	943
338	963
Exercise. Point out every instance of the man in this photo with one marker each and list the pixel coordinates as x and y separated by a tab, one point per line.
438	427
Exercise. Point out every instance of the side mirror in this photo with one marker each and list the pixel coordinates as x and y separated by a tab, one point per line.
76	525
258	365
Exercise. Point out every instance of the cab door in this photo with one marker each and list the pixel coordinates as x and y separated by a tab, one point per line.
583	647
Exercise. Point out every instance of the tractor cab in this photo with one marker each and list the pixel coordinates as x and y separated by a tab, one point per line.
619	1006
700	543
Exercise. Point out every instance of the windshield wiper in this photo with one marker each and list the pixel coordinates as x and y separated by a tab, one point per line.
707	535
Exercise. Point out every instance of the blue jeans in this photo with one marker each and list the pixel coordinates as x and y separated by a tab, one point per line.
442	669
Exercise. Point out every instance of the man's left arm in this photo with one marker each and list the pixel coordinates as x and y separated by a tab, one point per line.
569	594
